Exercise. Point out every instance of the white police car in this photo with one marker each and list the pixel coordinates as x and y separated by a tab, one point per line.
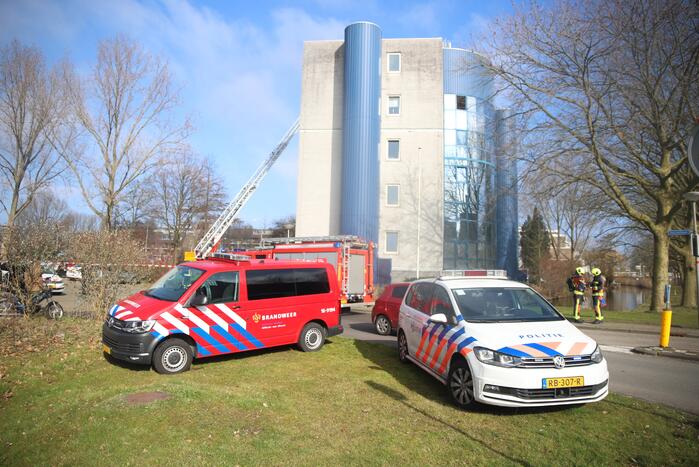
498	342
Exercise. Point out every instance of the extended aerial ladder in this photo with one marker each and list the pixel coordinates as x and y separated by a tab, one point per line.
211	239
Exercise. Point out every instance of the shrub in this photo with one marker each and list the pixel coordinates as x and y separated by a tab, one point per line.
111	263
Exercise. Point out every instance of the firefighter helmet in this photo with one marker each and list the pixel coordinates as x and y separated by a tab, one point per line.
596	271
579	271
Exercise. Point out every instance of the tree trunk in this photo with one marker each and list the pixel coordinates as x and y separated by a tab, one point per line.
107	221
14	204
661	260
689	281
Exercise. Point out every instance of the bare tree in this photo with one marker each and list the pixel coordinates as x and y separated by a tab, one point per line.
571	213
284	227
214	196
80	222
240	232
610	88
123	128
45	208
30	108
135	206
182	194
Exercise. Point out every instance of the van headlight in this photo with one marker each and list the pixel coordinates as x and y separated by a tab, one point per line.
493	357
138	327
596	355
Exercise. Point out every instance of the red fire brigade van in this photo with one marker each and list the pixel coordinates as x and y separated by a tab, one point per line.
224	304
352	257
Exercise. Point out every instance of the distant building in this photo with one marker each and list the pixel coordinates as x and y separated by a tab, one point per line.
561	247
401	144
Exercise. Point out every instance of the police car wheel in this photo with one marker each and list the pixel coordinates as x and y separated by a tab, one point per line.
312	337
382	325
402	347
172	356
460	384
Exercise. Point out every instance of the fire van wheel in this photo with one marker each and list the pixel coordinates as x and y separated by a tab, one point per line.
402	347
312	337
460	384
383	325
172	356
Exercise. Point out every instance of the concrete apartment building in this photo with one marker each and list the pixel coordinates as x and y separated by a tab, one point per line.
400	145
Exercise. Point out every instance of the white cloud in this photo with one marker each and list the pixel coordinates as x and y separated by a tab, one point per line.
31	20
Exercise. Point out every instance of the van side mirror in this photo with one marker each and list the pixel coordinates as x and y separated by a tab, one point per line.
439	318
198	299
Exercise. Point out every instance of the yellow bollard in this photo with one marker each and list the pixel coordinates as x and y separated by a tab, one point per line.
665	322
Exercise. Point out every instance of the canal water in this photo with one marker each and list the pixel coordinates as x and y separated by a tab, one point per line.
622	298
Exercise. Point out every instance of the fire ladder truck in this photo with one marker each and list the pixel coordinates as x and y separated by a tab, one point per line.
352	257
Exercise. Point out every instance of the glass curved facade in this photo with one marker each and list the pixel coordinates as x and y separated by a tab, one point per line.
470	196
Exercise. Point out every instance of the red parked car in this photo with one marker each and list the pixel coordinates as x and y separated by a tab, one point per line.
384	315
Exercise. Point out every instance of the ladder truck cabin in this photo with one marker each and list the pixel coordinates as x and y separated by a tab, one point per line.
352	257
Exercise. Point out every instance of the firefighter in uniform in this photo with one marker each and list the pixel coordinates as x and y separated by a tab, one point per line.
576	284
598	285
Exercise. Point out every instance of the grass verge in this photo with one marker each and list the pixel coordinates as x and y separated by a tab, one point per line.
683	317
351	403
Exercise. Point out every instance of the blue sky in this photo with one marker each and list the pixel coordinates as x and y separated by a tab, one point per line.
238	63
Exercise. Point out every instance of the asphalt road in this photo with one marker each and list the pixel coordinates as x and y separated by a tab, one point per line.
662	380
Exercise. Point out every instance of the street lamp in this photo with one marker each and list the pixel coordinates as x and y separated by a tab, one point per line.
288	228
692	196
419	209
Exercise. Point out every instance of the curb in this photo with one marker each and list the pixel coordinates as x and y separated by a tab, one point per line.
674	332
668	352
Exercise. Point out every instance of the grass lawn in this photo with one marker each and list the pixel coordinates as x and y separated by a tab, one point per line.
683	317
350	403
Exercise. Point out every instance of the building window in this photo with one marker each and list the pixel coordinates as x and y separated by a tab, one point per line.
461	102
393	105
394	63
461	137
391	242
392	195
393	149
450	102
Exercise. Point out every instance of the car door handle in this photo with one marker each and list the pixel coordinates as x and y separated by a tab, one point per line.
236	307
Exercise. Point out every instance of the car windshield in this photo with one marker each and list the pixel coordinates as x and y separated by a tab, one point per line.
172	285
500	304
